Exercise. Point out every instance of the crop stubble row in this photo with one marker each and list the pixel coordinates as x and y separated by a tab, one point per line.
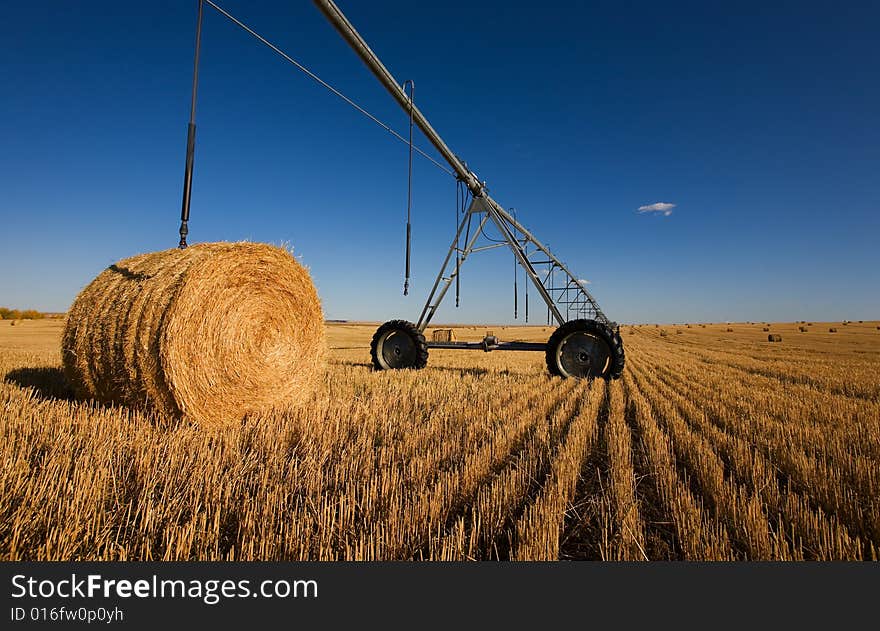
699	452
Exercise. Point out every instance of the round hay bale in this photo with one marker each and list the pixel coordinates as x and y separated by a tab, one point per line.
765	329
210	333
832	330
663	333
774	337
12	323
729	330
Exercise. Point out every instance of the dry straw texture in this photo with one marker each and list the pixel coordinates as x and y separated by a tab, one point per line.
718	447
210	333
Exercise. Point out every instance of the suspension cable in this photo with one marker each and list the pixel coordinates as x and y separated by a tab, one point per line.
190	139
412	92
526	291
458	204
465	195
326	85
515	269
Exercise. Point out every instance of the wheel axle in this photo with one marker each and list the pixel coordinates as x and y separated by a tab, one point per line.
580	349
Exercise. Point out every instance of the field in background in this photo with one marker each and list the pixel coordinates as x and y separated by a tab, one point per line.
716	444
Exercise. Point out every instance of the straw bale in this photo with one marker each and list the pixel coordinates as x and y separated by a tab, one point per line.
210	333
443	335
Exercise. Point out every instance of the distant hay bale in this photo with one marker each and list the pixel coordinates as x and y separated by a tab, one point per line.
774	337
663	333
802	329
679	332
765	329
210	333
729	330
443	335
832	330
12	323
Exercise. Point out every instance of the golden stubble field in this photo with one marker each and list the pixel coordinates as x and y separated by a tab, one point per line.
715	444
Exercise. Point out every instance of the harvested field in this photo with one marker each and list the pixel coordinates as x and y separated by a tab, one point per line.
713	445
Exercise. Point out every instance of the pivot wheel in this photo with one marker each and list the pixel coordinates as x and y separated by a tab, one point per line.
585	349
398	344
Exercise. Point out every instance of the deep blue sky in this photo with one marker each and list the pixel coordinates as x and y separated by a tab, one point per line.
758	120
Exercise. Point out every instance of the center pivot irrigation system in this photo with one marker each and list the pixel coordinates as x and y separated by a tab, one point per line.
586	343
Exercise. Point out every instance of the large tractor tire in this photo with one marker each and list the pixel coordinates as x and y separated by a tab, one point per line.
398	344
585	349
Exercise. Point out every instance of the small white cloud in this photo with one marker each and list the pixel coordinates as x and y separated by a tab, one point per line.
660	208
583	281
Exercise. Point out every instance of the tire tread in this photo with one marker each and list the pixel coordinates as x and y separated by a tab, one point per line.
611	337
410	329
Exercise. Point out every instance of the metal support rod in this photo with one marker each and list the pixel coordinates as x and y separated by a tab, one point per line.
555	262
190	138
430	307
526	264
412	91
543	248
491	246
483	346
